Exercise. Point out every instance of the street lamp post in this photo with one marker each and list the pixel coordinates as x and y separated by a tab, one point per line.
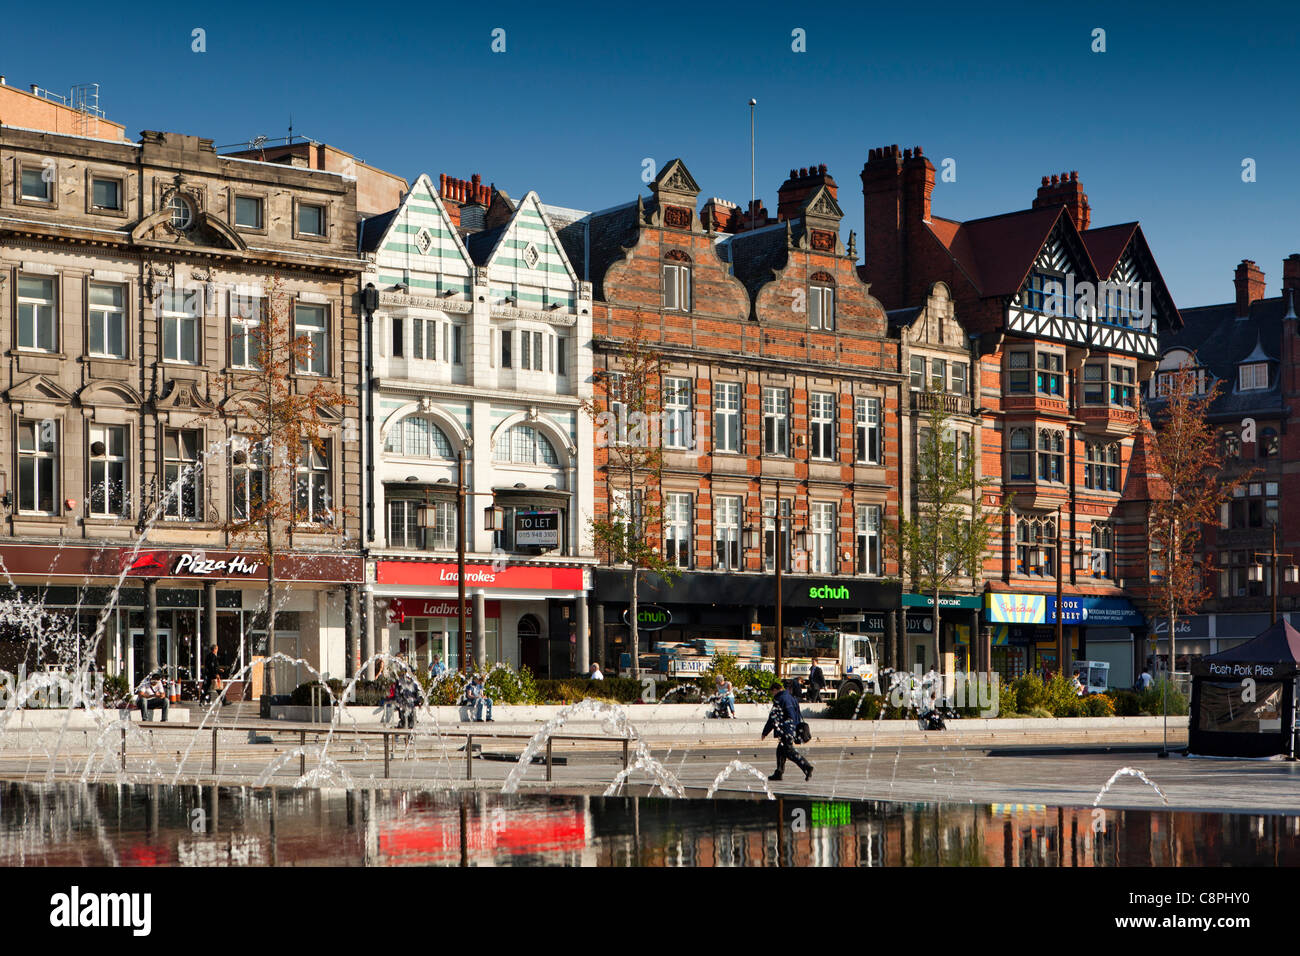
1291	574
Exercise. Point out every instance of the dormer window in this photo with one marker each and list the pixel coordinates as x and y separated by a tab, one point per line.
1253	376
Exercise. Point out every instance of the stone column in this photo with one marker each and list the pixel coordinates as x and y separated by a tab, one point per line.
598	630
480	631
581	653
368	631
150	626
210	619
349	631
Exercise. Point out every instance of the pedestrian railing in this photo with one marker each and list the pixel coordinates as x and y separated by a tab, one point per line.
388	739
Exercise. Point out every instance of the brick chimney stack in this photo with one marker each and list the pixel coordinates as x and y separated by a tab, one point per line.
1064	190
462	192
1249	281
918	184
802	184
896	188
1291	275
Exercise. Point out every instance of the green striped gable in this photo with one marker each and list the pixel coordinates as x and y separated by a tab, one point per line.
443	263
549	280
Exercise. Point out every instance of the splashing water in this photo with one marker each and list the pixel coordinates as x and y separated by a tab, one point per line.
614	721
1130	772
737	766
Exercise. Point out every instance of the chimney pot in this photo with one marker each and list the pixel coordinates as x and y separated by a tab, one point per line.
822	168
792	171
907	152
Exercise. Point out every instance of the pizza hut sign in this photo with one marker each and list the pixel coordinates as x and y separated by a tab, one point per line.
196	563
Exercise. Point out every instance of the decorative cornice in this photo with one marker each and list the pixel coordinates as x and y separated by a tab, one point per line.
402	300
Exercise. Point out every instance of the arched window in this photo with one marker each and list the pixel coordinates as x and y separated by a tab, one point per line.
529	628
524	445
417	436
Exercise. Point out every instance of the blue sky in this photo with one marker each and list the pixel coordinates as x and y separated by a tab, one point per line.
1157	126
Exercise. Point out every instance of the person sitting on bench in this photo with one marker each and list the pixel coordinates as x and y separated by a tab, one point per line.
150	695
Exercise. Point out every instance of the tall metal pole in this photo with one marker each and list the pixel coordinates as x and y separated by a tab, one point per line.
752	196
460	560
1274	558
776	546
1062	652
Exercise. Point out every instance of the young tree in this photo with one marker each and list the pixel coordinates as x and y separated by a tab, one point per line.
628	429
950	528
1190	461
280	418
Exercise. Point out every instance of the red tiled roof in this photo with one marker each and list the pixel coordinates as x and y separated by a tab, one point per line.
1106	244
998	252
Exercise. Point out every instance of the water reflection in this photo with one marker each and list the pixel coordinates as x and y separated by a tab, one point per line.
159	825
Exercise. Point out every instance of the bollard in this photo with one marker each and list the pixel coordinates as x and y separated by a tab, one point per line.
214	749
302	753
549	742
386	752
469	757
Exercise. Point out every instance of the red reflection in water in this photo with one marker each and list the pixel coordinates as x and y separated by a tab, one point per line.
516	832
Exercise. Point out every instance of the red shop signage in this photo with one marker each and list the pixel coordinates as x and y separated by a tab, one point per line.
399	609
479	576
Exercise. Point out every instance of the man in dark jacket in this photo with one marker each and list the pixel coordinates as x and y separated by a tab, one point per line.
816	681
785	719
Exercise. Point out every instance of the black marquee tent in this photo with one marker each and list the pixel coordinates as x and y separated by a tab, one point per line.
1244	698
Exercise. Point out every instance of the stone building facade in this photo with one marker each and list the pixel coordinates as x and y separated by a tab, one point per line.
129	276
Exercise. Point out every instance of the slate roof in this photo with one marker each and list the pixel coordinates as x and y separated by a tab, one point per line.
998	252
605	234
754	256
481	244
373	228
1221	342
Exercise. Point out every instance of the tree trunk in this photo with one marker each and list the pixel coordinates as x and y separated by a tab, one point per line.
268	669
632	625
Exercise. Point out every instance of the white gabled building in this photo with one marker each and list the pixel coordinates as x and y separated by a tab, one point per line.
479	344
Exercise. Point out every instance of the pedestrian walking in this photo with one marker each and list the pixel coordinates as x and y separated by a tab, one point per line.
816	681
785	720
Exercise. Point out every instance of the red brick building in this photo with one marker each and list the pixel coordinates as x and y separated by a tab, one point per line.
780	391
1247	347
1064	321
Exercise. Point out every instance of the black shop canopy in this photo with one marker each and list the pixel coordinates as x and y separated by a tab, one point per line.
1244	698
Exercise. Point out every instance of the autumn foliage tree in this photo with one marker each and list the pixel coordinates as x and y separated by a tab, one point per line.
628	429
282	408
1192	489
948	534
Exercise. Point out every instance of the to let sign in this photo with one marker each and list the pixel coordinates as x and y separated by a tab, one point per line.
540	529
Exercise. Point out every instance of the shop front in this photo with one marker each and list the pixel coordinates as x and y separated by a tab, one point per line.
131	611
958	631
522	615
1096	628
712	606
1200	635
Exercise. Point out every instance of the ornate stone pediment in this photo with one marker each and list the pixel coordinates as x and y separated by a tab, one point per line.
109	393
203	229
184	396
38	388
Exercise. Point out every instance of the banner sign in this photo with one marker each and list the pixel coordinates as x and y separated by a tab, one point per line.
1016	608
971	602
479	576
